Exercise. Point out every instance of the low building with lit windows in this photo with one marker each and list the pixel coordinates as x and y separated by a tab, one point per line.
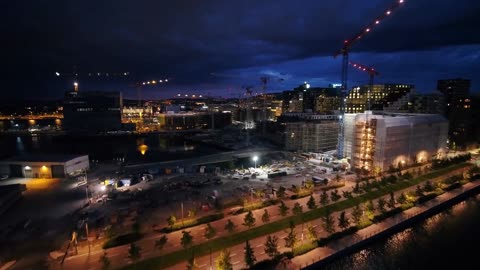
374	142
44	166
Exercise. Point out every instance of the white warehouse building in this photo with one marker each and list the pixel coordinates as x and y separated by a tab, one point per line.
375	142
44	166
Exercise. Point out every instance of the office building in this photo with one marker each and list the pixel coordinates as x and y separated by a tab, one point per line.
375	142
458	111
427	103
383	97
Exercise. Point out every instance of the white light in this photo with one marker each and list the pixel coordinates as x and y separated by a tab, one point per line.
143	83
186	95
103	188
377	22
58	74
148	82
255	158
75	84
28	168
166	80
388	12
368	29
307	85
400	1
178	95
160	81
200	96
125	73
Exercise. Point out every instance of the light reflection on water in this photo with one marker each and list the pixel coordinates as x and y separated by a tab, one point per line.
441	242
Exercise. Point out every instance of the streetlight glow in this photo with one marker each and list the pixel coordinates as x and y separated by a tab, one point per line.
255	158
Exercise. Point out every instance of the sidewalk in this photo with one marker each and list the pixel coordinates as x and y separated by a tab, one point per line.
340	245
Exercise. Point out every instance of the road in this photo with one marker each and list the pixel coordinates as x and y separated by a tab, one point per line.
118	255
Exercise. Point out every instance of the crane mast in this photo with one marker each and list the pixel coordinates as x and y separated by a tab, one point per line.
344	51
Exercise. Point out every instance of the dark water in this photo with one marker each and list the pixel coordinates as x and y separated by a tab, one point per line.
449	240
131	148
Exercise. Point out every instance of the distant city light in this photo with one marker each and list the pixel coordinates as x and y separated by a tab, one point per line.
58	74
166	80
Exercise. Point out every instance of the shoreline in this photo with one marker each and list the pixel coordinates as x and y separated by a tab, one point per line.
367	236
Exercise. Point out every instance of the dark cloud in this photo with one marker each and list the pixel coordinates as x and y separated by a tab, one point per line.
188	40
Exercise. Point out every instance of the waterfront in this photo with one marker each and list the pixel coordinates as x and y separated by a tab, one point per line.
128	148
444	241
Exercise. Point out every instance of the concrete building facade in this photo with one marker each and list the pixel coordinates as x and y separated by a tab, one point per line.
376	142
311	135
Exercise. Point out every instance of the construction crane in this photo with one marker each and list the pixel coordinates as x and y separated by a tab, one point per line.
372	73
344	51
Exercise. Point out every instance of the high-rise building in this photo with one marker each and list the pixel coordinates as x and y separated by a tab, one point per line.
383	97
376	142
458	110
427	103
92	112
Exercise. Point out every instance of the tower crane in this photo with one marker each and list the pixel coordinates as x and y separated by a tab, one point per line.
344	51
372	73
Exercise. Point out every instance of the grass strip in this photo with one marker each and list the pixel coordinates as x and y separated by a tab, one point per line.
240	237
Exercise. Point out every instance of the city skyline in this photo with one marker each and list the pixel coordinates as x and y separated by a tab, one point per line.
217	48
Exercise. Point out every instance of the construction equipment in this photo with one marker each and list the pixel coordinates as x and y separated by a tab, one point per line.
344	51
372	73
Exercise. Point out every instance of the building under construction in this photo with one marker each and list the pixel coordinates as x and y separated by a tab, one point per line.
376	142
311	132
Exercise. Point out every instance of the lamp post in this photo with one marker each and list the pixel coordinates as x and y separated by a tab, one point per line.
255	158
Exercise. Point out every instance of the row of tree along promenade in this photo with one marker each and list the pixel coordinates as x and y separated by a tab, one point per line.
353	212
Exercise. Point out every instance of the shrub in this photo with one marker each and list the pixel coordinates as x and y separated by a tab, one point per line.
387	214
192	222
122	240
453	186
334	236
427	197
304	248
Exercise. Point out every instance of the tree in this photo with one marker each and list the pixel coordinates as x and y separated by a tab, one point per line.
192	213
160	243
271	246
136	228
291	238
230	227
328	223
391	201
343	221
105	261
309	185
134	252
381	205
356	188
402	198
418	191
186	240
347	194
171	220
281	192
297	209
428	187
283	208
192	263
334	195
223	260
357	214
311	203
370	206
249	220
210	232
324	198
311	233
265	216
249	255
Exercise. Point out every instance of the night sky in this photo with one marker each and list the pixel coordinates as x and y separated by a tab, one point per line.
218	47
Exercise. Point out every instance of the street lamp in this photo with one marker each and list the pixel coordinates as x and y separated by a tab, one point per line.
255	158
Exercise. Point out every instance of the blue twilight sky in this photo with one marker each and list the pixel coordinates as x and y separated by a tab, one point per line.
219	47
